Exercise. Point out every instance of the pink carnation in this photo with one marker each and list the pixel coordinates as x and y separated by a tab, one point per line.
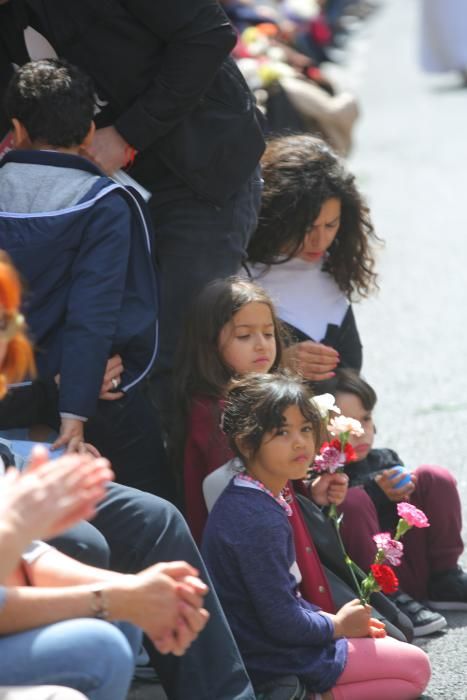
413	516
392	549
330	460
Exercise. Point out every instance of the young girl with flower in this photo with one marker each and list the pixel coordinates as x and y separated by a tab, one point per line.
312	251
233	330
274	430
381	491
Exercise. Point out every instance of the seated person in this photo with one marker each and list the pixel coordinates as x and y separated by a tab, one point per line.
378	481
274	429
132	530
60	654
313	252
83	244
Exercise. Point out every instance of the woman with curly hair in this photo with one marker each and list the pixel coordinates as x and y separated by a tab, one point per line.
313	252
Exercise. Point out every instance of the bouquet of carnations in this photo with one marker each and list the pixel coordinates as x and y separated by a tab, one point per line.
334	454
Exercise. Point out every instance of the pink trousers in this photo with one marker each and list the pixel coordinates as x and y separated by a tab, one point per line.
383	669
426	550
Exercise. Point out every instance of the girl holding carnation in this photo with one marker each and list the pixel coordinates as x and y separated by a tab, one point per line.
380	488
274	430
233	330
312	251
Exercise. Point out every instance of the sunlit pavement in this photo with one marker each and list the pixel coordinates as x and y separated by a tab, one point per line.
410	157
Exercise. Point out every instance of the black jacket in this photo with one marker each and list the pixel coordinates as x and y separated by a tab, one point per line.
344	338
163	72
363	474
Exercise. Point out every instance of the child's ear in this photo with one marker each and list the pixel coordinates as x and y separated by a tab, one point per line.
242	448
87	141
21	138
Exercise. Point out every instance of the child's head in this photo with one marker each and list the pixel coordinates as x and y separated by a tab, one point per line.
51	103
232	329
311	206
356	399
16	356
272	426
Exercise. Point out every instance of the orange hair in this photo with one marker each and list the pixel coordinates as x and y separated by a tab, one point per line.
19	358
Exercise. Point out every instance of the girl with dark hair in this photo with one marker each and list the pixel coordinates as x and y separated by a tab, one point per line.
233	330
312	251
429	569
274	429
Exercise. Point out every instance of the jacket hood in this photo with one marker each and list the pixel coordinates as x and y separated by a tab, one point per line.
33	187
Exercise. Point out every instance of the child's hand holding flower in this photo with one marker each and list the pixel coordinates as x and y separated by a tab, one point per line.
329	489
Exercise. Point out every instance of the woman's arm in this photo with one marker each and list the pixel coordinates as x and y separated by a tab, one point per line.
165	600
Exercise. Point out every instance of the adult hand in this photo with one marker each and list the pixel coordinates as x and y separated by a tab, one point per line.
162	601
112	379
389	485
329	488
74	484
352	620
71	437
314	361
191	592
108	150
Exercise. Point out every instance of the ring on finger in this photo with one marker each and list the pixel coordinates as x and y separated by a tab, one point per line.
114	383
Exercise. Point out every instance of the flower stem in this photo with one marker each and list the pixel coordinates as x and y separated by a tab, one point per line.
336	521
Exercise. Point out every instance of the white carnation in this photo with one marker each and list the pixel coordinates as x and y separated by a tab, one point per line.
325	404
342	424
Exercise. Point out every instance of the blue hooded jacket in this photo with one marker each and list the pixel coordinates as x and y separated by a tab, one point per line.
86	260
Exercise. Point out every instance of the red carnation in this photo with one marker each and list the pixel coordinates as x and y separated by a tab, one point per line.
350	454
385	578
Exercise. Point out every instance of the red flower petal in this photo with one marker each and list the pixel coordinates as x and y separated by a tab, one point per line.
385	578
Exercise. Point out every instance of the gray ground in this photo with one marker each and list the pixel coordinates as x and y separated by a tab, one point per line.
410	157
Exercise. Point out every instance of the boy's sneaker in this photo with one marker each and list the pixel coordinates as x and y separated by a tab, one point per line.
284	688
447	590
424	620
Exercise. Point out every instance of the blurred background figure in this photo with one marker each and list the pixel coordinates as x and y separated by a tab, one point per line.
444	36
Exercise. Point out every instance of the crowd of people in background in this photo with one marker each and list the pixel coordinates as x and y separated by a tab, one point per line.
175	200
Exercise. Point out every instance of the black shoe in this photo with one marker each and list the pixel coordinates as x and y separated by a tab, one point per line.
447	590
424	620
284	688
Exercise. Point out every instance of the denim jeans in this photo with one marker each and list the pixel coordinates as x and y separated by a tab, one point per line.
39	692
133	530
92	656
196	242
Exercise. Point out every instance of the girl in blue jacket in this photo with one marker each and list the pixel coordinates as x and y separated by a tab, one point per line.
273	427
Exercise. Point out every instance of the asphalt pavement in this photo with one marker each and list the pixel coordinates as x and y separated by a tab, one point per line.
410	157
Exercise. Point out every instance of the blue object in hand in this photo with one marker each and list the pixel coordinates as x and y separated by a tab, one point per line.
401	470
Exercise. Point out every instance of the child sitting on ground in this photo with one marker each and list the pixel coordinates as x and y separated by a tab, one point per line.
83	245
429	569
274	429
232	330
